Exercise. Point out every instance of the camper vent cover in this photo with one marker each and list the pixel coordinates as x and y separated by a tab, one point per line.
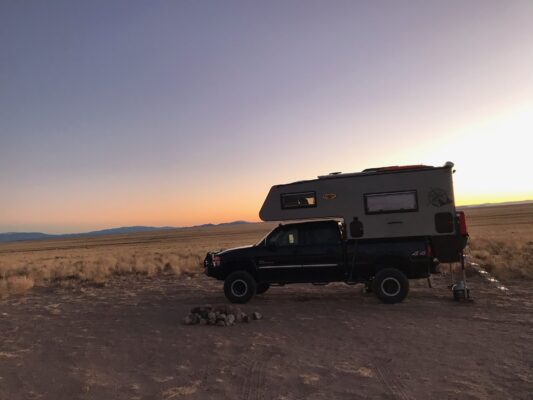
331	174
397	168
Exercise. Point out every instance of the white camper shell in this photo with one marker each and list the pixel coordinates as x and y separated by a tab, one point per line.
390	202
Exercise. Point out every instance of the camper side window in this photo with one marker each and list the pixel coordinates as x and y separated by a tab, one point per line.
298	200
380	203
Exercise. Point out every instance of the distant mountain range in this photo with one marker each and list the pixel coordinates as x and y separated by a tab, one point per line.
25	236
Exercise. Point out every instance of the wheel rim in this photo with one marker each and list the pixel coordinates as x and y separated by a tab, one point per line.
239	288
390	286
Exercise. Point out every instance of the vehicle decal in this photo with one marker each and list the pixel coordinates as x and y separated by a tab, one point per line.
438	197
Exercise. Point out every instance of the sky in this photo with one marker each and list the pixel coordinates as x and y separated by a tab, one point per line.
117	113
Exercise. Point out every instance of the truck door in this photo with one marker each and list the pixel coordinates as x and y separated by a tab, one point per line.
321	252
278	260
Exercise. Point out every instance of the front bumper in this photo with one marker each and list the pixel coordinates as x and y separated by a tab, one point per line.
209	268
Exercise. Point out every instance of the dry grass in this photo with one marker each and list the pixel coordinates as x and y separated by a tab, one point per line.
502	239
15	285
97	259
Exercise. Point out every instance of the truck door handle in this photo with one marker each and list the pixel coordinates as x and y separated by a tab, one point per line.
395	222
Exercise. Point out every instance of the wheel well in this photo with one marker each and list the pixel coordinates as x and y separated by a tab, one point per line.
240	266
398	263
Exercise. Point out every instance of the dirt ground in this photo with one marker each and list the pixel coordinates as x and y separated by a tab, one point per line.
126	341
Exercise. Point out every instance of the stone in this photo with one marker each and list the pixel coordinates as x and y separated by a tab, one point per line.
187	320
202	311
195	318
257	316
230	319
221	323
245	317
211	318
227	309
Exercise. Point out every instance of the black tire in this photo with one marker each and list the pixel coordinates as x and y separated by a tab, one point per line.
239	287
262	288
390	285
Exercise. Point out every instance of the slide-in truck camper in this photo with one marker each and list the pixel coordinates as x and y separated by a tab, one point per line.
381	226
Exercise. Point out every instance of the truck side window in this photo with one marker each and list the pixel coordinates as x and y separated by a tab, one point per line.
321	235
282	238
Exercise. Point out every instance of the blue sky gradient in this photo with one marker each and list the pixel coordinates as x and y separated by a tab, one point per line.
175	113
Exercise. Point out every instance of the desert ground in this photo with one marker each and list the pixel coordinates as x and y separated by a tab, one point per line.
101	318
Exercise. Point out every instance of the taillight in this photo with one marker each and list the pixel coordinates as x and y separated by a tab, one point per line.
462	223
216	261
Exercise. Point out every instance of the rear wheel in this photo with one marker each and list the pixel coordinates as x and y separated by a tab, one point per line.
390	285
239	287
262	288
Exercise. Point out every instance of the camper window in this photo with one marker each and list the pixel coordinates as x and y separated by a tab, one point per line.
298	200
392	202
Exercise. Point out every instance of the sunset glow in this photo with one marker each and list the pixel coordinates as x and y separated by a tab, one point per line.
183	113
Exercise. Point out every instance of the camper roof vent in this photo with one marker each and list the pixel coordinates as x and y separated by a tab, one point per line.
330	175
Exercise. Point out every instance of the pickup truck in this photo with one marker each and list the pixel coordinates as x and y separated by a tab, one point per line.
318	252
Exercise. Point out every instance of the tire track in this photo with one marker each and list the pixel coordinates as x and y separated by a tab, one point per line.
395	387
254	385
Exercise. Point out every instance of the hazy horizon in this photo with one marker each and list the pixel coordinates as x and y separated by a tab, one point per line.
181	113
104	227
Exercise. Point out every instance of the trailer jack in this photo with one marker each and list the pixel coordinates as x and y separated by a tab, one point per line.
460	289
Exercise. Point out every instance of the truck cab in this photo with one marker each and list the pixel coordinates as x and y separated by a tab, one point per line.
302	252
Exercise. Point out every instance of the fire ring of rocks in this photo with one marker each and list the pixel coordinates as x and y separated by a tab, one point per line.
224	315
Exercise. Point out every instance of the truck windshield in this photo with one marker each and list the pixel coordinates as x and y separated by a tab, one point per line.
280	237
263	239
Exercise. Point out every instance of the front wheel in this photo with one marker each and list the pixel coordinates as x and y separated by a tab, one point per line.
239	287
390	285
